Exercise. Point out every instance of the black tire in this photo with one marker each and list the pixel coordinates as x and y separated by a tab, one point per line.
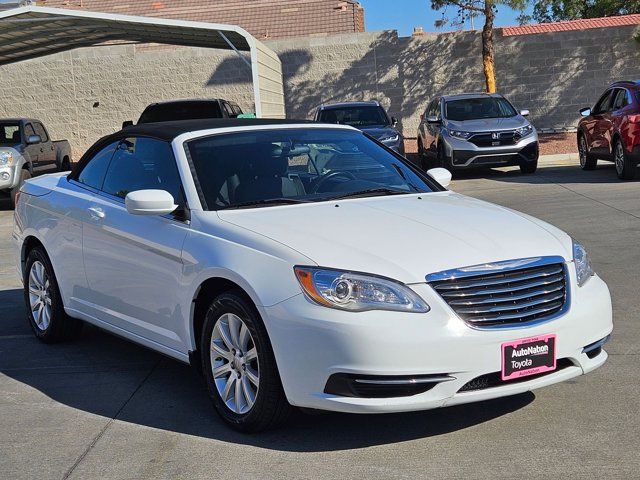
422	157
587	160
442	160
61	327
529	167
625	168
24	176
270	408
65	165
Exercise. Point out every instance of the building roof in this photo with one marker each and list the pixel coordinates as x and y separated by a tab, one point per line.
584	24
265	19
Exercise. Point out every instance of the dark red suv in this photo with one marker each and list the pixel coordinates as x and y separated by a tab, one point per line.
611	130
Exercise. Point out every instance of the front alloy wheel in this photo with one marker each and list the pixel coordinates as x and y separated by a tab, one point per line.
234	363
587	162
239	366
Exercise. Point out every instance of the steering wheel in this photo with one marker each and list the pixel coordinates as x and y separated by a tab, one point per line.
330	176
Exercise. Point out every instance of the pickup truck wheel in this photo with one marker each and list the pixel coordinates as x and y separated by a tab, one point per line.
45	310
24	176
239	366
625	168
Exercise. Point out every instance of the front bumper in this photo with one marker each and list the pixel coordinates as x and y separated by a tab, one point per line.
465	154
311	343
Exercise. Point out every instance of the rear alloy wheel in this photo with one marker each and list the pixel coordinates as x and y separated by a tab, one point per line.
587	161
46	314
239	366
625	168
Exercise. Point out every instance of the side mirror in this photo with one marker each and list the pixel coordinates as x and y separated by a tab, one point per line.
149	202
394	121
31	139
127	123
440	175
585	112
433	119
524	113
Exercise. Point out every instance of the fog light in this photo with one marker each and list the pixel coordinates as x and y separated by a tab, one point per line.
5	176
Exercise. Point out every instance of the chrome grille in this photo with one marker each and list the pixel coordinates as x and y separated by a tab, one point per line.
508	293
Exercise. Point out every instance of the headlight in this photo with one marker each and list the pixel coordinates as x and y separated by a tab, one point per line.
524	131
6	158
357	292
584	269
390	139
459	134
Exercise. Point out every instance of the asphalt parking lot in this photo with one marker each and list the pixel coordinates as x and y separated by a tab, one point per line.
105	408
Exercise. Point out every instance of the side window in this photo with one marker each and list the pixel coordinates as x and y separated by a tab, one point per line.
28	130
94	171
41	131
621	100
604	102
140	164
236	110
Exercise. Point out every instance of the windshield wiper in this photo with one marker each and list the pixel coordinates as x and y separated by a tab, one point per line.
370	192
404	177
264	202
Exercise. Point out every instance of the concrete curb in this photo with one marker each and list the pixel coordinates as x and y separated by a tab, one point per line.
560	158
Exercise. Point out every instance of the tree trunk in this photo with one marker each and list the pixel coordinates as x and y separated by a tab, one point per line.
487	47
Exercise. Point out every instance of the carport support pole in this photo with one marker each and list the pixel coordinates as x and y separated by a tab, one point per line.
254	70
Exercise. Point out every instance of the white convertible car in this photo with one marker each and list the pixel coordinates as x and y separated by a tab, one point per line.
305	265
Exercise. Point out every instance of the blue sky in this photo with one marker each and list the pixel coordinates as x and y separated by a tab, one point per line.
403	15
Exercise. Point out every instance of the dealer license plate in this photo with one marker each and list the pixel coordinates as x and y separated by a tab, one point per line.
528	356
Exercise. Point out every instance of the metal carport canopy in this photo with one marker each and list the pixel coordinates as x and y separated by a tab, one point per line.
30	32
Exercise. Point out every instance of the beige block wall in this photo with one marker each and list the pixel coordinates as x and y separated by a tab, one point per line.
84	94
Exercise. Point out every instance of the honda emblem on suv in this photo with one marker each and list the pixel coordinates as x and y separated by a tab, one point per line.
495	135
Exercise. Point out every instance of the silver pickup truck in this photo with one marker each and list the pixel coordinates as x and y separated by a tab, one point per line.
26	150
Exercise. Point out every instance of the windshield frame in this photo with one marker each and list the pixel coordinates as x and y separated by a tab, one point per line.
470	99
182	144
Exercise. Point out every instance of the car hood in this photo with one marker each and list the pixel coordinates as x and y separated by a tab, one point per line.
488	124
380	132
404	237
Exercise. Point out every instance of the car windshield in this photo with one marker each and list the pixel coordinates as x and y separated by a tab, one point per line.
166	112
361	116
9	134
478	108
292	165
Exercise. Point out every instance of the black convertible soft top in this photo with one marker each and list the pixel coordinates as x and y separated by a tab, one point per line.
170	130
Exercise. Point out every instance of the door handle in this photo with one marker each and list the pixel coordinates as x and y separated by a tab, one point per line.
96	213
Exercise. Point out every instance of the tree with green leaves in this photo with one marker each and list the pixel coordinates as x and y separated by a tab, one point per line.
560	10
488	8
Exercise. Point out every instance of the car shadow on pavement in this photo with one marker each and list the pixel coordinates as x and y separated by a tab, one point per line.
561	174
104	375
5	202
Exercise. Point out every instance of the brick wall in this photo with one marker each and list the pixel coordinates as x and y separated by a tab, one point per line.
552	74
